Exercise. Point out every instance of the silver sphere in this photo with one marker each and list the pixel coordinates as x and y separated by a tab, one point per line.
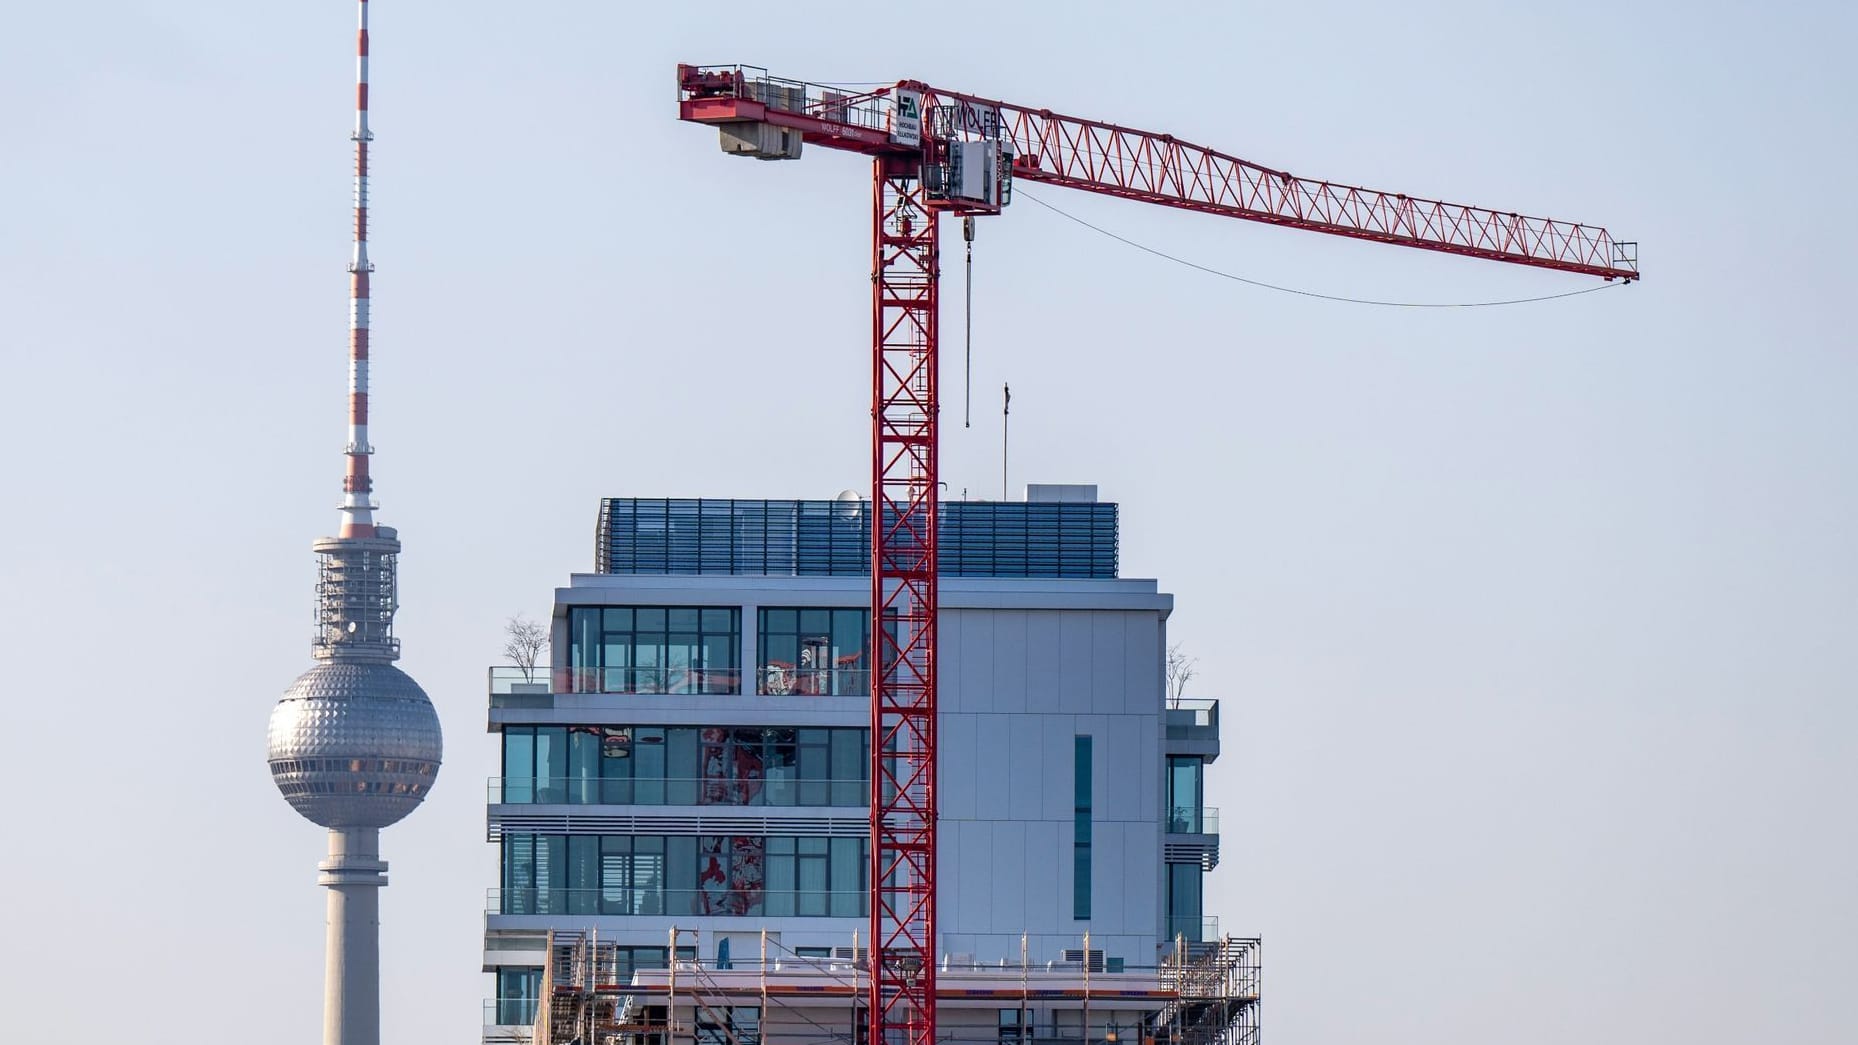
354	744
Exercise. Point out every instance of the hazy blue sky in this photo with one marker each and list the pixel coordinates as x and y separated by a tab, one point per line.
1533	625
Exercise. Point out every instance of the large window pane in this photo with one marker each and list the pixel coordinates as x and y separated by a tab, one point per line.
551	764
681	770
848	876
657	649
583	873
812	651
848	767
815	767
616	765
517	991
518	874
648	766
518	764
1184	794
681	875
617	892
584	765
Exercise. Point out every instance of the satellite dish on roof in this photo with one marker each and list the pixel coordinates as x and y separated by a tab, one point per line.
848	504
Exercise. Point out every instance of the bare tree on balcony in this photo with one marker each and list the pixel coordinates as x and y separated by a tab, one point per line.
1180	672
524	642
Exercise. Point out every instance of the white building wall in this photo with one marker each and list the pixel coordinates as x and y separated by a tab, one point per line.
1018	686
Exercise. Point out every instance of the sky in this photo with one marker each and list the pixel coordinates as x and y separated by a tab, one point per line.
1532	626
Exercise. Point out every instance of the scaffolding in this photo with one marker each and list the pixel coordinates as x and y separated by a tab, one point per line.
1197	994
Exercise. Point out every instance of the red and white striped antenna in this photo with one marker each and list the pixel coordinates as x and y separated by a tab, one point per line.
357	486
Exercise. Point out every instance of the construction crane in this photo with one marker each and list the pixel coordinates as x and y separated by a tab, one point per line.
937	152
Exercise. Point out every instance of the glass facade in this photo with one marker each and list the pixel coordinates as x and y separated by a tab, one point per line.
644	875
813	651
641	535
1080	839
654	649
684	765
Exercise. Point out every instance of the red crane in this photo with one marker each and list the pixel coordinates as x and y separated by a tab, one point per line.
938	152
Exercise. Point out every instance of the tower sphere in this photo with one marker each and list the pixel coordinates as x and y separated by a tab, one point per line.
354	744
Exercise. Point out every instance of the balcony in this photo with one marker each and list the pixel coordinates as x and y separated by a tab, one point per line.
771	791
650	901
509	1021
1192	718
1192	837
1191	727
1193	820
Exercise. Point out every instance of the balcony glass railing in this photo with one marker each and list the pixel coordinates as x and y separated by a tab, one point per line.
772	680
771	790
780	680
758	902
504	1013
1193	820
506	680
1196	928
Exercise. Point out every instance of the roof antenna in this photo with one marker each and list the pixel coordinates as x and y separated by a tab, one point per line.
1006	411
967	366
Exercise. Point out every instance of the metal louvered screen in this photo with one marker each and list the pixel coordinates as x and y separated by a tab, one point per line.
637	535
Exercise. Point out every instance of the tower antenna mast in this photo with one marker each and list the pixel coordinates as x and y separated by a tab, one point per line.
357	484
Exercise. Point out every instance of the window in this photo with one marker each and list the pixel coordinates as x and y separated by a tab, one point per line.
517	990
628	960
816	652
1014	1027
685	765
730	1025
519	764
534	874
654	649
1184	901
747	875
1184	794
1080	839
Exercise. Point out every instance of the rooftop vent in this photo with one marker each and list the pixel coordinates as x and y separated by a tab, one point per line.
1062	493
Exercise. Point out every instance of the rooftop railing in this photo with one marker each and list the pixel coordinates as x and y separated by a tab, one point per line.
1192	718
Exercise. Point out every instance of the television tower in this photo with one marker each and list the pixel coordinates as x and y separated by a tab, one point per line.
354	743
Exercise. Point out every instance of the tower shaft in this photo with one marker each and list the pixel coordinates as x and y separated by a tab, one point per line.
354	874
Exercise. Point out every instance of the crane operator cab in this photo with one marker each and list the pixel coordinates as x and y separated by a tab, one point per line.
967	159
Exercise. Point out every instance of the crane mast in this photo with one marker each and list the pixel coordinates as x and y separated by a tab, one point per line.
936	152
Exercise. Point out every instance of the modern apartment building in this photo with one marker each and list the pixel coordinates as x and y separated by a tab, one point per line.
689	778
